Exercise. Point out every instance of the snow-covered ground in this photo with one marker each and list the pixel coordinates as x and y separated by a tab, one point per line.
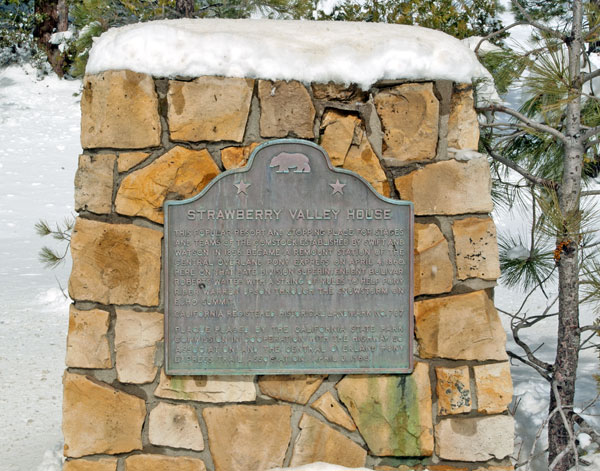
39	132
39	136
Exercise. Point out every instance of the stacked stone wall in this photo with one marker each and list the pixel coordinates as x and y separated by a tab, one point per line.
149	139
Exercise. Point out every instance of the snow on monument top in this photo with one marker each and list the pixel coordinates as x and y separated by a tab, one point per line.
308	51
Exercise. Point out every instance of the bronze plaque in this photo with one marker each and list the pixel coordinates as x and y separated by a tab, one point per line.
288	265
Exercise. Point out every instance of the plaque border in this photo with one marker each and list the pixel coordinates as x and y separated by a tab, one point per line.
288	371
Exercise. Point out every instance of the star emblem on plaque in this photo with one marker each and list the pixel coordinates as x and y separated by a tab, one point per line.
309	272
338	188
242	187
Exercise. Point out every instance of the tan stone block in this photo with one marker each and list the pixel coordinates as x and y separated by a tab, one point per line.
181	172
461	327
409	116
494	387
236	157
475	438
136	336
453	389
207	388
128	160
463	126
119	109
476	248
337	134
418	467
103	464
362	159
448	187
163	463
285	109
175	426
497	468
332	91
318	442
87	341
209	109
333	411
392	412
115	263
433	269
291	388
98	419
94	183
243	438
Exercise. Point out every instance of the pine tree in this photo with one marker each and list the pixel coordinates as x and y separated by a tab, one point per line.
552	143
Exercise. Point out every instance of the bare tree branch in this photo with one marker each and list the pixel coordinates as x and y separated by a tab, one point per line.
496	33
524	119
552	32
591	132
520	170
569	429
541	372
590	193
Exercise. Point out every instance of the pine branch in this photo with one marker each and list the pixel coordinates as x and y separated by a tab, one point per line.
552	32
520	170
524	119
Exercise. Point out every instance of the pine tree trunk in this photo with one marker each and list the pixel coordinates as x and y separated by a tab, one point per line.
185	8
567	352
47	22
62	9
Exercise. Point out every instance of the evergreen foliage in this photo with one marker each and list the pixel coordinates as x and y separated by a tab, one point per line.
459	18
17	45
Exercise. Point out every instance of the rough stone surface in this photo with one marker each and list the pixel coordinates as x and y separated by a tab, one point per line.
291	388
333	411
243	438
496	468
361	158
432	266
119	109
209	109
337	134
115	263
476	248
463	126
453	389
419	467
128	160
236	157
180	173
494	387
409	118
103	464
474	439
318	442
175	426
94	183
392	412
207	388
163	463
461	327
98	419
448	187
87	341
286	109
136	336
335	92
